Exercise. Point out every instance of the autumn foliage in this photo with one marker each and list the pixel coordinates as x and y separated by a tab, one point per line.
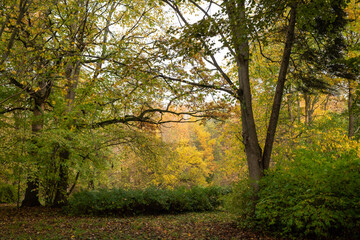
139	107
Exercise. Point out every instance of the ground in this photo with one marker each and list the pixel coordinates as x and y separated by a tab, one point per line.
48	223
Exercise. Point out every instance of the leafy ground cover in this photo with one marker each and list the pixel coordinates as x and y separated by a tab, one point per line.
47	223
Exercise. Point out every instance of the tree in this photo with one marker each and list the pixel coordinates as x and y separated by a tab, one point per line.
237	24
45	52
325	56
238	18
352	62
76	68
40	90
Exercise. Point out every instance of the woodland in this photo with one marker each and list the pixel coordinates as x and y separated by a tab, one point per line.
233	119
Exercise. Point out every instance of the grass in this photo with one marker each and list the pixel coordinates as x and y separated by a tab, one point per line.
47	223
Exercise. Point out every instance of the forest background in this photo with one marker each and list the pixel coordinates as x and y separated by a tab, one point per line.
132	94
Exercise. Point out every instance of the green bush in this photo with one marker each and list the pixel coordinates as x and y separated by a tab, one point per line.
7	193
240	202
152	200
317	196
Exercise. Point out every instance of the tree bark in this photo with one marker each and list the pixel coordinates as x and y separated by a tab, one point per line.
32	193
32	190
274	117
238	23
326	102
290	108
307	108
351	130
61	194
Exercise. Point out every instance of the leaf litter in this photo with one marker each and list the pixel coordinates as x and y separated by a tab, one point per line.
51	223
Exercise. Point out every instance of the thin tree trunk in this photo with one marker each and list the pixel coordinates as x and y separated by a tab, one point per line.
351	130
298	108
23	7
307	106
312	108
289	106
326	102
290	102
274	117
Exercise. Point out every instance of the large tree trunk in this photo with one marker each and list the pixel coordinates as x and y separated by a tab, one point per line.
61	194
32	193
257	162
238	23
32	190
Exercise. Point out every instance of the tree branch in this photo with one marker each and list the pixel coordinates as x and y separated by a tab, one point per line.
15	109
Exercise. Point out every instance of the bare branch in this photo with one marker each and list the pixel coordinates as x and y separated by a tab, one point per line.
198	84
15	109
12	96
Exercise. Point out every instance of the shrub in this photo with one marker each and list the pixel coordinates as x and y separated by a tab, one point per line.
149	201
316	196
7	193
239	201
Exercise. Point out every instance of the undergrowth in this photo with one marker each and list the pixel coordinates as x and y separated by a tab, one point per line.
317	197
121	202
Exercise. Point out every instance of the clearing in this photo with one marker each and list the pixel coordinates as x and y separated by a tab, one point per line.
48	223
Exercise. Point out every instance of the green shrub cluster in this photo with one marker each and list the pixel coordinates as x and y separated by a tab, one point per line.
7	193
317	196
152	200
